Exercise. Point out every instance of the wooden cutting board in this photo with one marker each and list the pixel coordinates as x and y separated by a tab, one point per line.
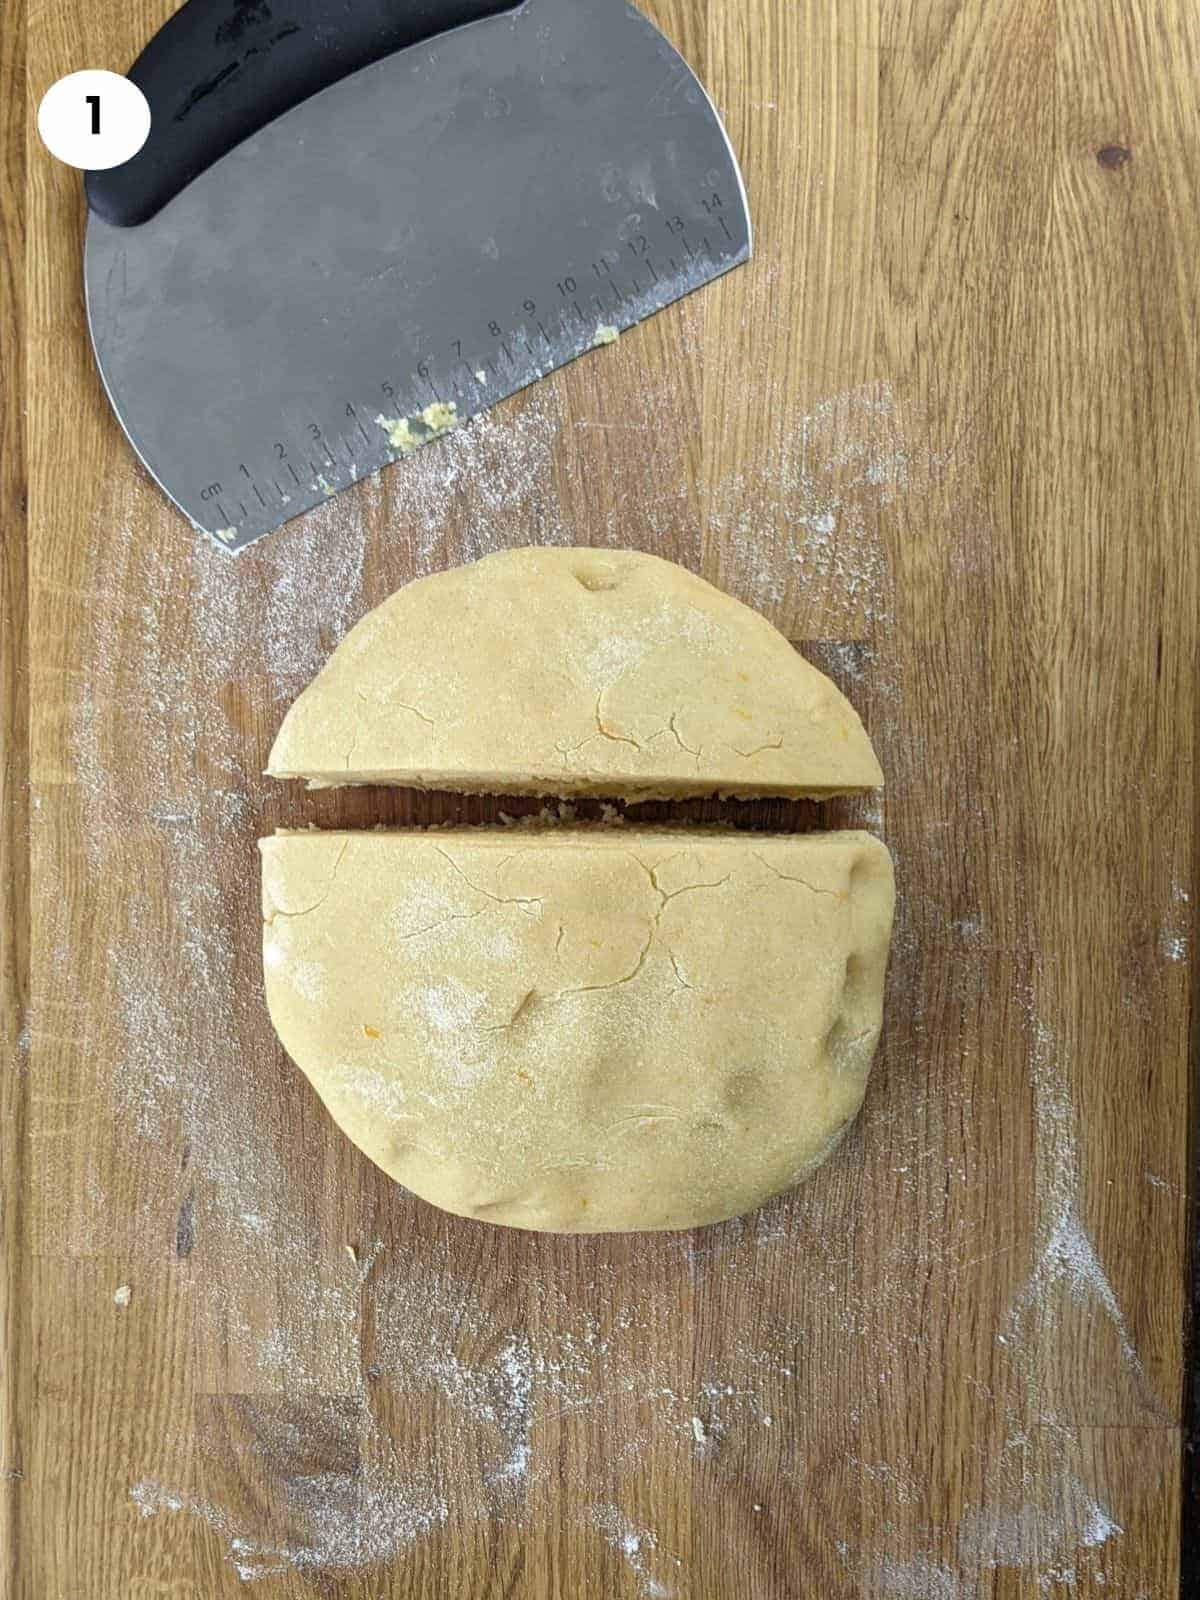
944	432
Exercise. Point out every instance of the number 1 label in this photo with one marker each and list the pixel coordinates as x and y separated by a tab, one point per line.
94	120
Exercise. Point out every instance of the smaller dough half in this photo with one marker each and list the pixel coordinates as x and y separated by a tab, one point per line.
582	1030
574	672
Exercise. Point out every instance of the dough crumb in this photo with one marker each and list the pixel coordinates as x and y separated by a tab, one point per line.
352	1253
605	334
226	535
400	434
408	434
440	417
561	815
123	1296
699	1431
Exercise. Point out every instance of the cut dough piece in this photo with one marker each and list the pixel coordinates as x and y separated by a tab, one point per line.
582	1030
574	672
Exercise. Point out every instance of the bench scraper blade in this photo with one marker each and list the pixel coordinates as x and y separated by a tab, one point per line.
403	249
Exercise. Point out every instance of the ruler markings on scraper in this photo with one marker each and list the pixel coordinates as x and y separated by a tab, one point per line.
399	398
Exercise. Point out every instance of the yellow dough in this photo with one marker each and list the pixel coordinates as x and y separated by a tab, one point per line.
574	672
582	1030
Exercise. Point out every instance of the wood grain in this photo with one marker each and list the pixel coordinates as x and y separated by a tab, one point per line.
944	432
16	1551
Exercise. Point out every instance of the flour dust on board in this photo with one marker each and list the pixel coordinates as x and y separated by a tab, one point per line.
328	1346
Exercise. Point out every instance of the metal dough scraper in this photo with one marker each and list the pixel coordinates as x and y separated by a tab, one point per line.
358	223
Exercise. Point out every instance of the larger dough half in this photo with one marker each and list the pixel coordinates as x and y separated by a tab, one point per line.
586	672
582	1030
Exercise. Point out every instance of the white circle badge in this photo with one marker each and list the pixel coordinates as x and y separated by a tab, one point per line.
94	119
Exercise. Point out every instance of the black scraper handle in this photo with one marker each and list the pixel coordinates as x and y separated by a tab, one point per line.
220	70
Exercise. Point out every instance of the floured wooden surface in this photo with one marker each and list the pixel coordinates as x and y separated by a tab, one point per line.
948	1367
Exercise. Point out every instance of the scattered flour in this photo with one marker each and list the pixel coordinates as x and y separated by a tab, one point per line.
307	978
1039	1516
499	468
1060	1577
639	1546
1041	1539
917	1579
1069	1259
1173	937
204	1103
24	1042
804	519
1099	1528
449	1007
1066	1258
1067	1521
348	1520
515	1364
